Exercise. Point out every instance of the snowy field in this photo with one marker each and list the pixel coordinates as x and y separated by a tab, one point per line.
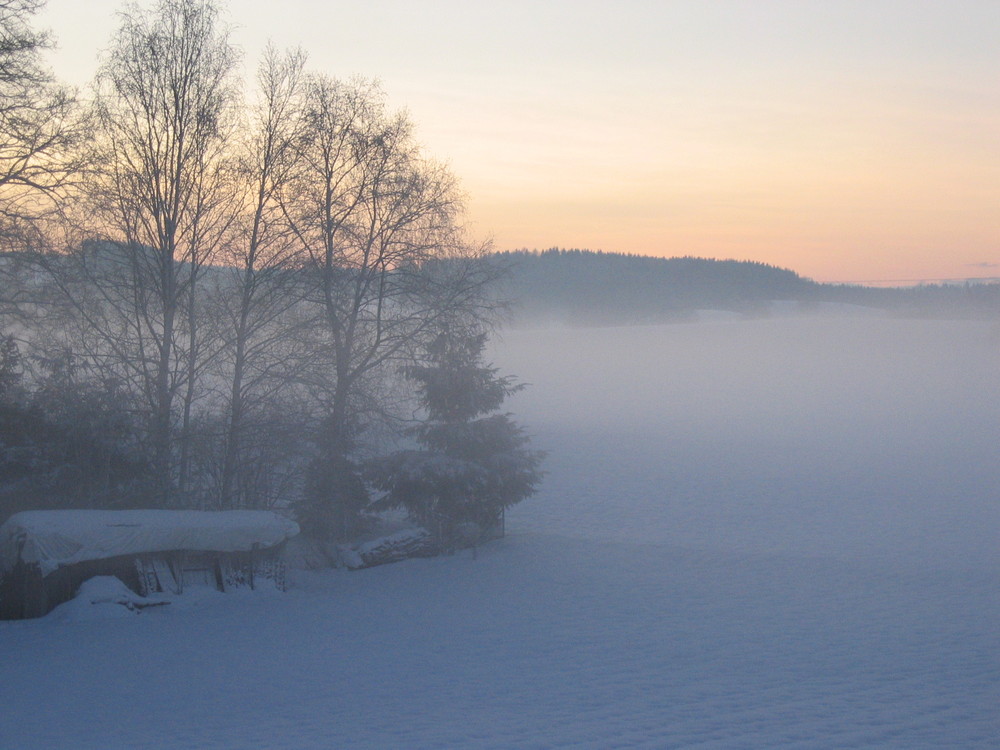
767	534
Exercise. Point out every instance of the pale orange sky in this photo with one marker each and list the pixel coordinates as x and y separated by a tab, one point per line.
846	139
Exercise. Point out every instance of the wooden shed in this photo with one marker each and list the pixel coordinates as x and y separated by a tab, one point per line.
46	555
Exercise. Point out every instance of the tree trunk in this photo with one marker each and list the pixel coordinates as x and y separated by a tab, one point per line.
235	427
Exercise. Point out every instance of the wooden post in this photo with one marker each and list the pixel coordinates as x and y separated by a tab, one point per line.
253	564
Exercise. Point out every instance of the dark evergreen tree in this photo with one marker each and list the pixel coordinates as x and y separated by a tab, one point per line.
473	462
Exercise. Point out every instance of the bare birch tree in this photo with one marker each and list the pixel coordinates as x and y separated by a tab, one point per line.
166	96
261	289
40	135
372	216
39	129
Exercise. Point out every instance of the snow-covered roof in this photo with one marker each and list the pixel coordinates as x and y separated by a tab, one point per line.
53	538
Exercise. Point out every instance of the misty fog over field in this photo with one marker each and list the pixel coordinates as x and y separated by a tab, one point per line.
843	437
754	533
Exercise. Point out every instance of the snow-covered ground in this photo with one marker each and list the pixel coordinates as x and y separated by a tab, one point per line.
775	533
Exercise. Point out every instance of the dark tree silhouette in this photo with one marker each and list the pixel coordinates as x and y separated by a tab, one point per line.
473	461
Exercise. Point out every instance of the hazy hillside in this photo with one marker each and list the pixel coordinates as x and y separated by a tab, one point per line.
582	287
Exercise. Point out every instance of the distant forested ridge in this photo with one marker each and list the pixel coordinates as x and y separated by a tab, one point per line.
584	287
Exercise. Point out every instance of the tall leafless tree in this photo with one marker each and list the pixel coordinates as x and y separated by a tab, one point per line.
261	289
39	128
166	98
40	135
373	217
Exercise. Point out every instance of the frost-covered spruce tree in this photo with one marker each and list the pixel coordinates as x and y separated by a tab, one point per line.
473	461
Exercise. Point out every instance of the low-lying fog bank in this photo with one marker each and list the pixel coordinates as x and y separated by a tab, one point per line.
852	437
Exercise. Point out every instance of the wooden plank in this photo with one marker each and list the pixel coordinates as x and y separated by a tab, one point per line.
164	576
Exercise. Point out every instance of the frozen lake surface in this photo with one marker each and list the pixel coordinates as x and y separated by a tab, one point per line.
774	533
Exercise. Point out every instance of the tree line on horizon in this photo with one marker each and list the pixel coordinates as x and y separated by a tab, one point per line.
217	299
585	287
